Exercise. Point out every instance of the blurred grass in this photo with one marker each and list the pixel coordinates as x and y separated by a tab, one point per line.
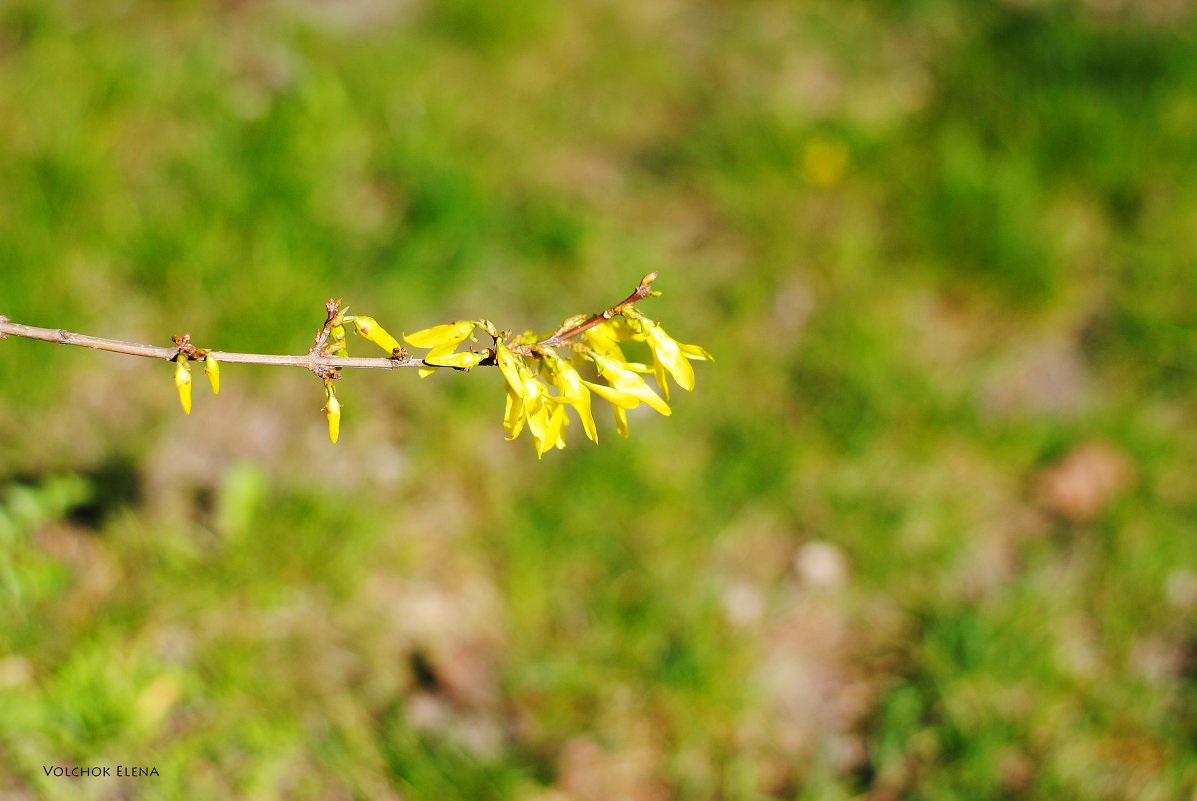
938	250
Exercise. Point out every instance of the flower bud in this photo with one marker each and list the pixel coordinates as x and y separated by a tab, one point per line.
212	369
333	410
340	347
183	382
371	330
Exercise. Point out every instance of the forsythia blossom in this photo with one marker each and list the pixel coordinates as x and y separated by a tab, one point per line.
541	384
532	369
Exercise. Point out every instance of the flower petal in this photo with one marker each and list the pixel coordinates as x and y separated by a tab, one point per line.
513	417
628	383
621	399
621	421
696	353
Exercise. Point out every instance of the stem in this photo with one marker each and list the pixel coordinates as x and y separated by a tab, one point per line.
64	337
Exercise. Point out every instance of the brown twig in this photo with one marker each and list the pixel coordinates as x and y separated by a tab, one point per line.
64	337
561	336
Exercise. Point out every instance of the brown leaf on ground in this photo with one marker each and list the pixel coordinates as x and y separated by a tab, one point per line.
1080	485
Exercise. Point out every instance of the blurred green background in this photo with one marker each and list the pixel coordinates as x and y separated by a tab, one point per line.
924	530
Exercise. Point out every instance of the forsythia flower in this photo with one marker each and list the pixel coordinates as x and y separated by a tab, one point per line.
527	402
573	392
212	369
443	339
627	390
183	382
371	330
668	353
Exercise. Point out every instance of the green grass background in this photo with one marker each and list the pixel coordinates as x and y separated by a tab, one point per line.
935	248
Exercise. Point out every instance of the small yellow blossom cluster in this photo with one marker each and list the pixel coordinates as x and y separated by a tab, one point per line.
532	368
540	382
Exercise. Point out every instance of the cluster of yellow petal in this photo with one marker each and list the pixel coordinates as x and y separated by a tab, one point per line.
531	368
530	402
444	339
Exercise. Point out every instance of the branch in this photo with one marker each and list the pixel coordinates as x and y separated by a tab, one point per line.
526	364
315	361
63	337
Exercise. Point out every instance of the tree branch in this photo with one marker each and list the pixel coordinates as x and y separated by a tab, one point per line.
315	361
64	337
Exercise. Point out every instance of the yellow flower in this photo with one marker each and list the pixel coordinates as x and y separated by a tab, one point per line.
520	378
627	390
183	382
212	369
443	339
371	330
573	391
668	353
528	403
333	409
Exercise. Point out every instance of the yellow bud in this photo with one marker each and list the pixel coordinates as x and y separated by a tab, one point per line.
333	410
340	348
213	371
183	382
371	330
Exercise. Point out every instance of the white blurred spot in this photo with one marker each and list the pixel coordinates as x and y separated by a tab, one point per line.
821	564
